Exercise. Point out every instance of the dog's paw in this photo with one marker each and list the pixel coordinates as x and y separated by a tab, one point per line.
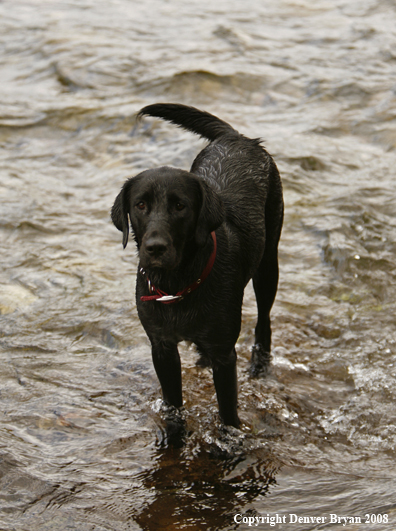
260	361
176	433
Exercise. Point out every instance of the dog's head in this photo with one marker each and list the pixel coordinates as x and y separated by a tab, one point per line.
167	208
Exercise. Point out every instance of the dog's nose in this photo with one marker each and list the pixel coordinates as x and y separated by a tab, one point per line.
155	246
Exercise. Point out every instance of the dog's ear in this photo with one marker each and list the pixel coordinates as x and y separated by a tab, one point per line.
211	215
119	211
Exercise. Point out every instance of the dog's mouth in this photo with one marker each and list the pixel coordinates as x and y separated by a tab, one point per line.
157	264
166	261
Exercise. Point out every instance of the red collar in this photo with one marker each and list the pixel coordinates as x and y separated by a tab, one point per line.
162	296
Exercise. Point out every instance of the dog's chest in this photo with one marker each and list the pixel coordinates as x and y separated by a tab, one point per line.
170	322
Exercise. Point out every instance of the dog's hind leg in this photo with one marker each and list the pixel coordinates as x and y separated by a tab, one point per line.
167	365
265	283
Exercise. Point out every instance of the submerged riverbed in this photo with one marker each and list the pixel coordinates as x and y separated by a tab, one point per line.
82	437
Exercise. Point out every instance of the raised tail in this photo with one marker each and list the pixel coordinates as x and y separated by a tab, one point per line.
199	122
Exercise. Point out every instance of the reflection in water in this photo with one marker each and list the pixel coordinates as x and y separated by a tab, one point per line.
83	440
204	488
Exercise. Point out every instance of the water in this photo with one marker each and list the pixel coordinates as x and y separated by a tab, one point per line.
82	437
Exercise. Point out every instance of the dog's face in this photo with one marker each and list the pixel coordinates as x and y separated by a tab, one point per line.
168	208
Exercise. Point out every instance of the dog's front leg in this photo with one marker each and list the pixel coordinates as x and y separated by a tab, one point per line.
225	380
167	365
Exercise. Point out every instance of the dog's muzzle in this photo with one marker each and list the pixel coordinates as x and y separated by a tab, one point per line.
157	251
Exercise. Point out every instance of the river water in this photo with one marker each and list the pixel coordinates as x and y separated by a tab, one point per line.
82	438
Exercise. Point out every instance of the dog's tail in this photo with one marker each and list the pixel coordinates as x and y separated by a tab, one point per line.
199	122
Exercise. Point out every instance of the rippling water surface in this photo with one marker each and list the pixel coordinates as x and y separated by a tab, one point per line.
82	437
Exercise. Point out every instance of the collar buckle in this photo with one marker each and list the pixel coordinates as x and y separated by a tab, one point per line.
169	298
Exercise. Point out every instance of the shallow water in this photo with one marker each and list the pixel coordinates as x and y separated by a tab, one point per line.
82	437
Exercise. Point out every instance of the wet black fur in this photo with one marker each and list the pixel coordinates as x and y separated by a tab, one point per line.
234	188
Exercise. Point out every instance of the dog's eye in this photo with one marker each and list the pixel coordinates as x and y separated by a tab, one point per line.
141	205
180	206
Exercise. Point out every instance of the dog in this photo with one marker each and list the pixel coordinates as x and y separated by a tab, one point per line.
201	236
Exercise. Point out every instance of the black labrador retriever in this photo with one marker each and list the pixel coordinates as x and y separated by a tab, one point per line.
201	236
